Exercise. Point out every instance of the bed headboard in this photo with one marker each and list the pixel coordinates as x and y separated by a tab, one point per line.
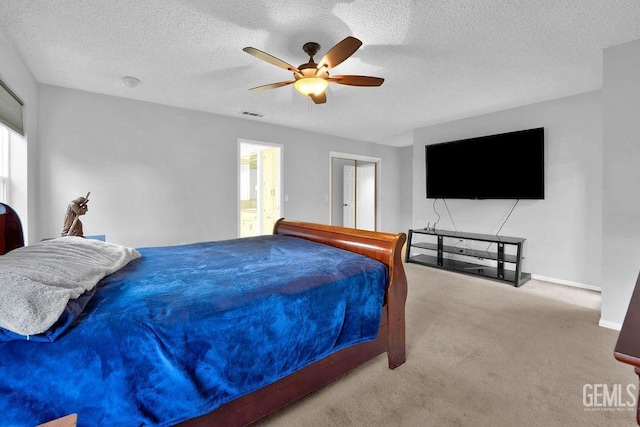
10	229
383	247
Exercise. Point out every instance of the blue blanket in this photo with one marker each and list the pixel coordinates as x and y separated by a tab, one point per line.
185	329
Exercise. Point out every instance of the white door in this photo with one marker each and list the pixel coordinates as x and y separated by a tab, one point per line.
349	196
366	196
353	185
269	189
259	188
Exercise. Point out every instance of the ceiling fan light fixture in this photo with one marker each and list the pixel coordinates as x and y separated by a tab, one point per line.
311	79
311	86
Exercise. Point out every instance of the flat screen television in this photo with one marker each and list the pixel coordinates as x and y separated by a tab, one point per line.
503	166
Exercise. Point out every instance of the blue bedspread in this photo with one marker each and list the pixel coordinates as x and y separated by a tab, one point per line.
185	329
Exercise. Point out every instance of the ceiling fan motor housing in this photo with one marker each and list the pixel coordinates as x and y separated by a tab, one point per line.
311	48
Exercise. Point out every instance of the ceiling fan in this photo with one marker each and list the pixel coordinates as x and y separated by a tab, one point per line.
311	79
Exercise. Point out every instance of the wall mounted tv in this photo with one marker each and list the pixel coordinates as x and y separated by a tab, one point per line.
504	166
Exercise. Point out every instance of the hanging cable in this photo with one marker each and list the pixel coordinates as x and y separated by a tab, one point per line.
505	221
434	209
450	217
460	241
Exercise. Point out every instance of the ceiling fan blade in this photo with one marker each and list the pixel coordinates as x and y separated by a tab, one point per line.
271	86
340	52
320	98
270	59
357	80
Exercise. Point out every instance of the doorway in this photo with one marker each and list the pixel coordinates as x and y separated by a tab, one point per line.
259	186
354	191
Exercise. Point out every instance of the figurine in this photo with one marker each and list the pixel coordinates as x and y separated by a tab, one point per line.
72	225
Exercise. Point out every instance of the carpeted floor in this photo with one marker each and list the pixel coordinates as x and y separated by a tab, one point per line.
482	353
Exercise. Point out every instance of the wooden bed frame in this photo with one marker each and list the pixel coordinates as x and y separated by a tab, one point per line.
384	247
11	236
628	346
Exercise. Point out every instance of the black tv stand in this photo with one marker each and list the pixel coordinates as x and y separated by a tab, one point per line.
501	265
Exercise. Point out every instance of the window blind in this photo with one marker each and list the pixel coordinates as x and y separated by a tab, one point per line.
10	109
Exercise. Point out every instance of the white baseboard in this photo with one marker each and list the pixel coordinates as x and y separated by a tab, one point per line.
609	325
602	323
567	283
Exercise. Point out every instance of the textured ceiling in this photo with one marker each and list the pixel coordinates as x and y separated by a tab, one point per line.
441	60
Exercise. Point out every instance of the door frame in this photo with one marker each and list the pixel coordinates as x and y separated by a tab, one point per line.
361	158
280	176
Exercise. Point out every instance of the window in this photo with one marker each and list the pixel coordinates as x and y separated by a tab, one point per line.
11	109
4	164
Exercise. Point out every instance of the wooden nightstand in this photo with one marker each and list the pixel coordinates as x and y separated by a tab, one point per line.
66	421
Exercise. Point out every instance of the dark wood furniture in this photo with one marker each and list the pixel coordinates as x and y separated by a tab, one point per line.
384	247
628	346
506	267
11	236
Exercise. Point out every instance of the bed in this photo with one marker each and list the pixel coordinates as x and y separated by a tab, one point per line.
209	377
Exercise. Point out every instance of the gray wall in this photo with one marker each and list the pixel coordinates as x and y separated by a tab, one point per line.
163	175
406	186
564	231
24	153
621	227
